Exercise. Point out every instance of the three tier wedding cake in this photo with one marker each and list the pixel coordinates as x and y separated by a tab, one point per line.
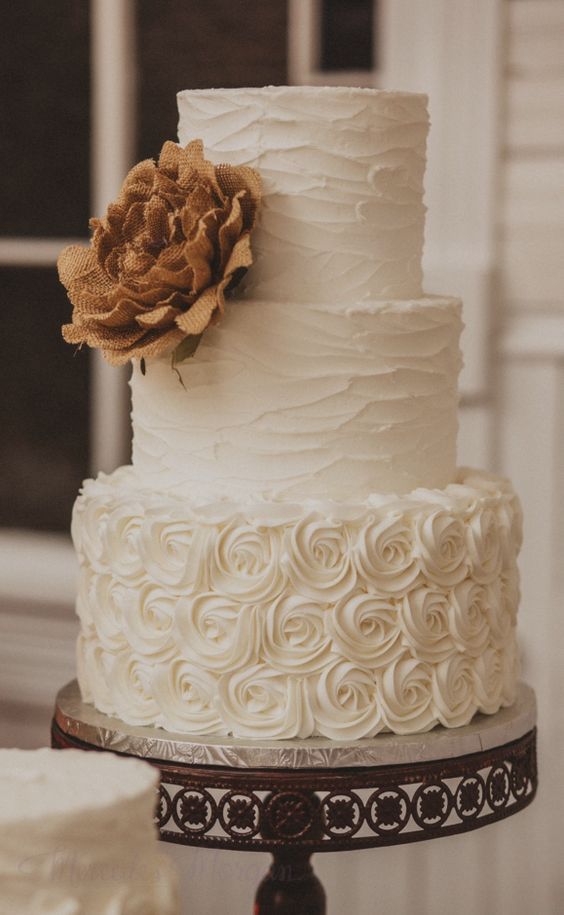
293	551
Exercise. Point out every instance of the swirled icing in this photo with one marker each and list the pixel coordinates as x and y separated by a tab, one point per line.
342	216
290	619
66	849
293	401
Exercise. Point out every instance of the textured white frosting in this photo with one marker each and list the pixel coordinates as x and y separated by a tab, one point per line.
293	402
77	836
289	619
342	170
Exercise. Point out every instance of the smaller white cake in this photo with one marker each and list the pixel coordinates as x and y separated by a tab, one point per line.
77	836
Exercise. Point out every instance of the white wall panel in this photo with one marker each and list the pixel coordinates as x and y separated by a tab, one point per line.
532	262
532	445
535	112
538	51
534	191
531	216
534	17
476	436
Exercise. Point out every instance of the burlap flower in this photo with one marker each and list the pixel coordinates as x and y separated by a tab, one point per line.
159	264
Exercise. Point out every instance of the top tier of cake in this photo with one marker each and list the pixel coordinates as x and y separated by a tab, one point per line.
331	375
342	218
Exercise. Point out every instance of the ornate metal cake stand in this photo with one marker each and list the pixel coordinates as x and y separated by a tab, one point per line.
293	798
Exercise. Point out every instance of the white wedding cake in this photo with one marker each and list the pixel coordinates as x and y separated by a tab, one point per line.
77	836
293	551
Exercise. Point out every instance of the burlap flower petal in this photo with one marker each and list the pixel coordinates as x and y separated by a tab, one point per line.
78	267
150	296
199	316
199	254
241	257
159	317
191	159
243	182
229	233
124	314
152	344
107	339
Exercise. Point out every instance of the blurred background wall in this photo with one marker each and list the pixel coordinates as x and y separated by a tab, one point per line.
88	88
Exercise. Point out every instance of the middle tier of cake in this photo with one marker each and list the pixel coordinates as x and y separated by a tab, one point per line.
291	619
291	401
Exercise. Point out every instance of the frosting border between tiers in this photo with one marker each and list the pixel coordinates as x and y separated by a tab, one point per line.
468	488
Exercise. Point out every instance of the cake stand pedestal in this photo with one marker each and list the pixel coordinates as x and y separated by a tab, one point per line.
293	798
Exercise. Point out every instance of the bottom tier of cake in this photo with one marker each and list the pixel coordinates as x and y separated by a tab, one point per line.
280	620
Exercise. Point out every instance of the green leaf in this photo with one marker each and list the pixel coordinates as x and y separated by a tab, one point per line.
186	349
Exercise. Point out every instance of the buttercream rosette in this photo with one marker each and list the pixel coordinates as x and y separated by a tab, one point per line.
385	552
214	631
245	561
468	617
185	695
406	696
424	619
345	702
365	629
318	558
171	550
261	702
294	637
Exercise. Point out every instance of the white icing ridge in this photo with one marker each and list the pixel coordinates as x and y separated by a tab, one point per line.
77	836
342	217
292	402
293	619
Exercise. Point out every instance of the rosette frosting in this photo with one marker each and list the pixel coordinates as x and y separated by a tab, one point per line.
261	702
280	619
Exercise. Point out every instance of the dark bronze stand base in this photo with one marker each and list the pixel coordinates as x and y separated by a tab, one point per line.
290	887
293	812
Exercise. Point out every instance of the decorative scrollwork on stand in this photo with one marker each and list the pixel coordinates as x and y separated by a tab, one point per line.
431	805
388	810
331	809
193	810
470	797
290	815
325	810
343	814
240	814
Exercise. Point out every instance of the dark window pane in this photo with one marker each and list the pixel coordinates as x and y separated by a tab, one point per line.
193	45
44	139
347	35
43	403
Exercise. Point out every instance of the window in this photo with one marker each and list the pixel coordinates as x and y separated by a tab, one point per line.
90	88
44	190
347	35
